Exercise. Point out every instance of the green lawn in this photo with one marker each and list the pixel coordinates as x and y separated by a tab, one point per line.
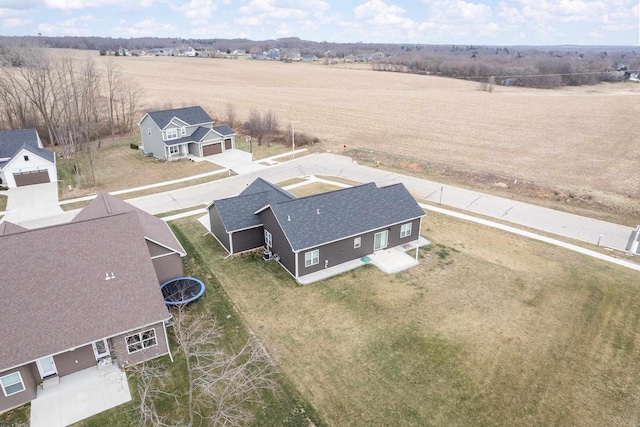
490	329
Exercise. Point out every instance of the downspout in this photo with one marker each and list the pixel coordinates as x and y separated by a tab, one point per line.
296	255
166	338
230	243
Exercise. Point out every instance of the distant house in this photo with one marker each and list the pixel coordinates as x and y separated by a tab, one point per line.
309	57
292	54
259	56
178	133
274	54
23	160
165	250
312	233
76	296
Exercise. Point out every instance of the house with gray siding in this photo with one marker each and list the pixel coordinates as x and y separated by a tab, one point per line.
182	132
23	160
76	296
317	232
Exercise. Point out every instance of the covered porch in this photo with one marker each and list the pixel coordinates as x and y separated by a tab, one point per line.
80	395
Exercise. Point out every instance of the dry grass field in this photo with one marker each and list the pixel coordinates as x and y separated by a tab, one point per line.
582	138
490	329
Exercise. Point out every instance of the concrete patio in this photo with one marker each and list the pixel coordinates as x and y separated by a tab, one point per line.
389	261
78	396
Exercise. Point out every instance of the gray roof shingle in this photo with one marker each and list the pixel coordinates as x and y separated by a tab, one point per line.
237	213
55	296
190	115
319	219
224	130
12	141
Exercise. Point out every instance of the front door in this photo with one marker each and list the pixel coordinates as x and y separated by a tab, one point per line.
380	240
46	367
100	349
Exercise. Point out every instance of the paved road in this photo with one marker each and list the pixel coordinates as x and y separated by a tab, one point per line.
536	217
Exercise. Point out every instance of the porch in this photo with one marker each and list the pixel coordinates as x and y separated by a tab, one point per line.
80	395
389	261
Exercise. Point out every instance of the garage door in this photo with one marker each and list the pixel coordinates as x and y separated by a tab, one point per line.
227	144
32	177
209	150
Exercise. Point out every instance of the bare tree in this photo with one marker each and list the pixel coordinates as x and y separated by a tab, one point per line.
221	385
147	376
231	115
487	86
255	126
271	124
113	81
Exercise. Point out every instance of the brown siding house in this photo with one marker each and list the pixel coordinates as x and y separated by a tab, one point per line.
89	291
312	233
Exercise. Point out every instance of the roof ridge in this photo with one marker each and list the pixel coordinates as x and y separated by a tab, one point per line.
106	202
329	193
64	224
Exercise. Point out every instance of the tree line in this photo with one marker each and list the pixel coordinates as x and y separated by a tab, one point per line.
72	104
528	68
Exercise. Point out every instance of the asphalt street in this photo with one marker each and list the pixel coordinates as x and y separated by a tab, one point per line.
536	217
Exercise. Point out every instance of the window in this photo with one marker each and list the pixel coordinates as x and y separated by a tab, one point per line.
26	158
405	230
149	131
380	240
12	384
311	258
183	130
174	149
141	340
357	242
267	239
172	133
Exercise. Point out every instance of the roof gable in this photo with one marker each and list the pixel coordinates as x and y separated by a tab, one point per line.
189	115
319	219
7	228
155	229
197	136
14	141
238	213
57	297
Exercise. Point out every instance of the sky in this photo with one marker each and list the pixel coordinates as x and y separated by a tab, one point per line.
486	22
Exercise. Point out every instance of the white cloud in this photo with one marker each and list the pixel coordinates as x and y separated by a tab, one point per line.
145	28
76	26
198	12
16	22
80	4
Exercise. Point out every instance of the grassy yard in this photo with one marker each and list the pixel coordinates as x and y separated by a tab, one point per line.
118	167
490	329
284	407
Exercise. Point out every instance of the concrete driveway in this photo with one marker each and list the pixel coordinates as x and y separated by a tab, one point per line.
237	160
32	202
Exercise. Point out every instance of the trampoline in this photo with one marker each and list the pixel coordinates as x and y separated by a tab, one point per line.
182	290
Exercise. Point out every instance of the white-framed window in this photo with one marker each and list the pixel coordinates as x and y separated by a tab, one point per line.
268	239
183	130
380	240
405	230
12	384
141	340
149	131
172	133
357	242
311	258
174	149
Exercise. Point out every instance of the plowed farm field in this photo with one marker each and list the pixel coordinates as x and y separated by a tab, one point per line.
585	138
